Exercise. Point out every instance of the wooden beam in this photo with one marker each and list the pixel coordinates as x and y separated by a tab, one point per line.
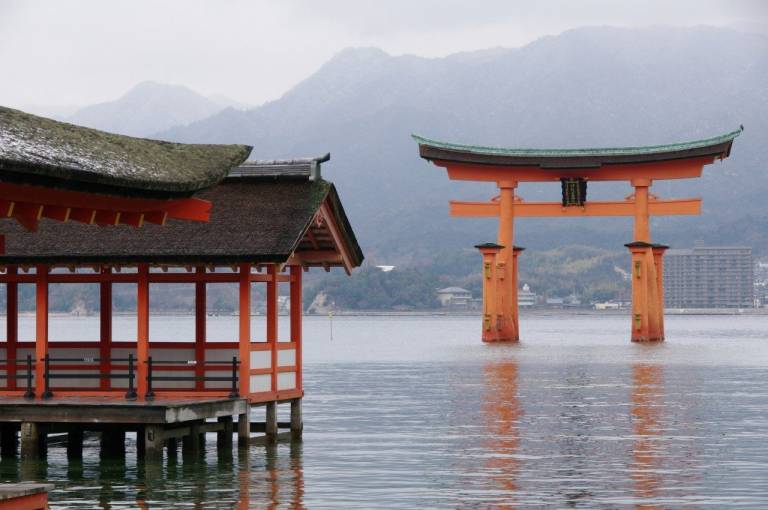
142	329
105	328
184	208
27	214
676	169
41	326
244	337
81	215
12	327
57	213
200	329
272	287
687	206
296	319
335	232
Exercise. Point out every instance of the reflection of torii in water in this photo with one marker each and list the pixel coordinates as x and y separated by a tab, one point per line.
574	169
647	393
502	412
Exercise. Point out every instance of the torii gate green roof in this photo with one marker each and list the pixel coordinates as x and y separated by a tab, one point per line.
718	146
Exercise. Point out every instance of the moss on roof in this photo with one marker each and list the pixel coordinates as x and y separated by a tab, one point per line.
36	149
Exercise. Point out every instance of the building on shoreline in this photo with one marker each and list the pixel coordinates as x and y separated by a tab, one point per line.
525	297
709	277
455	297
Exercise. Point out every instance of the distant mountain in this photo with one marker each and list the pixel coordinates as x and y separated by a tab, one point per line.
584	88
147	108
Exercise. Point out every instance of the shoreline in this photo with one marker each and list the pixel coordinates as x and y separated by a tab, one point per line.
542	312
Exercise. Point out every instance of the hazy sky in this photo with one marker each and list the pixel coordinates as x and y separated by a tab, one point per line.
64	52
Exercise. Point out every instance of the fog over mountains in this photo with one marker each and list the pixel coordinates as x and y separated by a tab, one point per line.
150	107
584	88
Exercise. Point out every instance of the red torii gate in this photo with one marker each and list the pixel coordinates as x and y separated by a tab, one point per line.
574	168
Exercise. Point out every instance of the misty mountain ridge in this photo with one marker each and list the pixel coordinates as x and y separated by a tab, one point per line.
150	107
590	87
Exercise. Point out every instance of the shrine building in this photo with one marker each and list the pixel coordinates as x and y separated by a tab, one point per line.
84	206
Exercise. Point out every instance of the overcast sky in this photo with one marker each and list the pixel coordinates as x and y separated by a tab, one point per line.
78	52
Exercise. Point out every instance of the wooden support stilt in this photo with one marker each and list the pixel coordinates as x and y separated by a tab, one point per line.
271	421
244	428
297	422
9	441
224	437
33	441
153	443
75	444
141	443
113	443
190	444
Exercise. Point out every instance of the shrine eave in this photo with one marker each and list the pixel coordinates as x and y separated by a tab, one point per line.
715	147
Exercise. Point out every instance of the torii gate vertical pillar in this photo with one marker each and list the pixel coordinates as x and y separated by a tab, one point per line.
490	252
516	250
647	310
506	272
658	259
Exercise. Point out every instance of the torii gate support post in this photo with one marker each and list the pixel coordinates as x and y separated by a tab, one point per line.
507	312
490	252
516	250
647	309
658	259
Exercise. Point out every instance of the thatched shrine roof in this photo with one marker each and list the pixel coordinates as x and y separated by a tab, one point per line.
39	151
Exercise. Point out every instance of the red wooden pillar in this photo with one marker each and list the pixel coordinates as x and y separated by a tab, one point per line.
272	320
12	327
142	337
200	333
105	327
296	313
41	326
245	329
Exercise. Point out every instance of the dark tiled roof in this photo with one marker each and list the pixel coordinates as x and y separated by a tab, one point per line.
304	168
36	150
253	220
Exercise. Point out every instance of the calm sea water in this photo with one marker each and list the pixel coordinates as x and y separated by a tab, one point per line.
417	412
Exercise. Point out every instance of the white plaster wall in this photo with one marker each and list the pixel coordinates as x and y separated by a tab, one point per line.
286	358
260	383
261	359
286	380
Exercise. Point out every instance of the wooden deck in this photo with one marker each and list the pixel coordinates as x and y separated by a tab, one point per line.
118	410
24	496
158	424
